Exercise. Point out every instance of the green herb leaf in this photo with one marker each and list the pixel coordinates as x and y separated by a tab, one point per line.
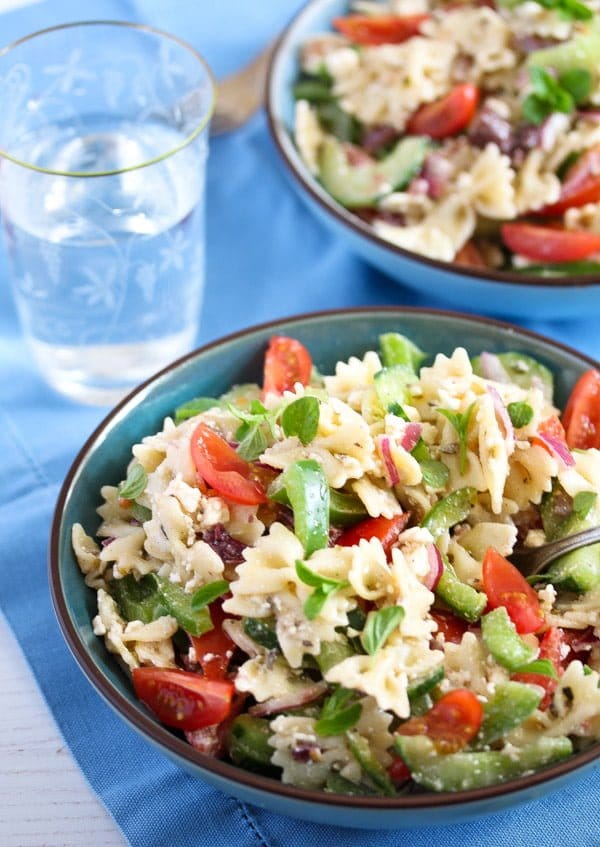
252	441
396	409
541	666
323	585
556	95
301	418
208	593
460	422
340	713
194	407
379	627
578	82
135	484
583	502
140	513
520	414
568	10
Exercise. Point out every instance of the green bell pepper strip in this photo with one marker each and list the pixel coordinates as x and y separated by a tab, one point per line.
248	745
450	510
308	494
361	751
466	770
336	784
396	349
154	596
511	704
344	509
463	599
503	642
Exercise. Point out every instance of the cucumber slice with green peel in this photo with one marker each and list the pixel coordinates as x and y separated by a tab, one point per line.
391	385
577	571
361	185
523	370
248	744
332	653
511	704
467	770
418	687
581	51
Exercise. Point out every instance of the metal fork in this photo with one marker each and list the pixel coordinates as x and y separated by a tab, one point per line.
534	560
241	94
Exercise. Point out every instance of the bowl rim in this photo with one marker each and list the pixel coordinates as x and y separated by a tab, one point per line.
282	139
146	725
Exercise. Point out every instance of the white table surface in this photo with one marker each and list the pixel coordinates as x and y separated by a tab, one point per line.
44	799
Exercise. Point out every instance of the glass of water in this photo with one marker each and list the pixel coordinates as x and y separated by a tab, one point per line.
103	146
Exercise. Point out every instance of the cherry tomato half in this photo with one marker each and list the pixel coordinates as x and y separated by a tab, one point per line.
447	116
506	586
386	530
449	625
220	466
183	699
451	723
581	417
581	184
382	29
214	648
549	244
287	362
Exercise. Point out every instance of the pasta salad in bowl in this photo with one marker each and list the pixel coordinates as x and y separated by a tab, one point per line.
306	577
464	136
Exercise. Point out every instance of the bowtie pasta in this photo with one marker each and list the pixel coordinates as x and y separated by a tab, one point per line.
311	579
447	127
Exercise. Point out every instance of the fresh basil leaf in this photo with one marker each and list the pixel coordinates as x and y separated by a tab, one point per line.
460	422
340	713
252	441
141	513
209	593
379	627
135	484
396	409
313	90
578	82
541	666
301	418
520	414
435	473
535	110
323	585
583	502
194	407
335	120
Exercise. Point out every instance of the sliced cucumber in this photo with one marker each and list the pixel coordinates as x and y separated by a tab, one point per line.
581	51
523	370
361	185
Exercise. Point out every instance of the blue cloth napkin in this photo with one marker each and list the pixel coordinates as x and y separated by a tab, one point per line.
267	257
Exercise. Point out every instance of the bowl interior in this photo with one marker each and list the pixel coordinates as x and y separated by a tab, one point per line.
209	372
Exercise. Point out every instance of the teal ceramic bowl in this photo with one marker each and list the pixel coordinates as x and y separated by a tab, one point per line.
210	371
493	292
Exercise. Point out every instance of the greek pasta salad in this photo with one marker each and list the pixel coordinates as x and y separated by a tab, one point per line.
311	578
468	132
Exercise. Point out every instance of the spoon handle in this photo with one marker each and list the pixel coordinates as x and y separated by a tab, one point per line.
533	560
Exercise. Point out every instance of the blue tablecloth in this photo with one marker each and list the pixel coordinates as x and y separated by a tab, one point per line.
267	257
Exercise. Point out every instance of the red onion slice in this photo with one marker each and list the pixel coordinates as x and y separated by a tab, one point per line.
492	368
410	438
557	448
386	455
503	417
436	567
293	700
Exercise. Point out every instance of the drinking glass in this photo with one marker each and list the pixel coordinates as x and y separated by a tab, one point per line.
103	146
